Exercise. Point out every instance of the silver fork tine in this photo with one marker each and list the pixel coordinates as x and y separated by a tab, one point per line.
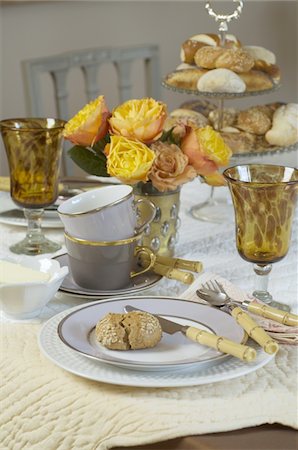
219	286
214	286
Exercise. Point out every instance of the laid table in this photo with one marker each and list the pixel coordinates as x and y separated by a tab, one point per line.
44	406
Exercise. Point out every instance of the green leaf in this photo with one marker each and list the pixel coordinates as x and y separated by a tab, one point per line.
169	137
99	146
90	162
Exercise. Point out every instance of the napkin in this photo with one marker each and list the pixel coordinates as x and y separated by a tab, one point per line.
284	334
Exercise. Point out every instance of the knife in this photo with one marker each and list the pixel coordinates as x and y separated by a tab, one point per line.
224	345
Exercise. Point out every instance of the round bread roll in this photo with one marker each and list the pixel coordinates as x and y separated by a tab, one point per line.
194	43
262	53
284	129
254	120
228	117
221	80
237	60
134	330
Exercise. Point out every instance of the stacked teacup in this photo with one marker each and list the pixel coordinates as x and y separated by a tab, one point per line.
102	231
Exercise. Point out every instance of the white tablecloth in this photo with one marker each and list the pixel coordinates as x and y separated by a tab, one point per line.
48	408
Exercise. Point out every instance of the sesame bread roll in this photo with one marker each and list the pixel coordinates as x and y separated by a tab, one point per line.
131	331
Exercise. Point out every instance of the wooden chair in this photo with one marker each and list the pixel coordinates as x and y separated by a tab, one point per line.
89	62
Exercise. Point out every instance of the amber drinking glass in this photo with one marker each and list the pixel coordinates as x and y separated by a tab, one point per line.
264	198
33	148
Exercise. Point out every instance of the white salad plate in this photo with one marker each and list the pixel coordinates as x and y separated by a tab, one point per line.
137	284
208	365
10	214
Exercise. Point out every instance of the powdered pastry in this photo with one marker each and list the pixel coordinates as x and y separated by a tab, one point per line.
258	52
221	80
134	330
284	129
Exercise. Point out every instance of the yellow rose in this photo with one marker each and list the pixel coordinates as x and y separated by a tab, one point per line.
170	168
140	120
127	160
89	125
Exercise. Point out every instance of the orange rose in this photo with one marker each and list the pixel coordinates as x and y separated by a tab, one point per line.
89	125
206	151
170	167
140	120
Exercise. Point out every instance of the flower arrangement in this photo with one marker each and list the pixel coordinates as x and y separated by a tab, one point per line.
131	144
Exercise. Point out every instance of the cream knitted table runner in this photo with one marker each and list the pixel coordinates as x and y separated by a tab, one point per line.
45	407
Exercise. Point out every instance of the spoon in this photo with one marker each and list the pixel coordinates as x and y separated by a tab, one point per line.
220	299
254	330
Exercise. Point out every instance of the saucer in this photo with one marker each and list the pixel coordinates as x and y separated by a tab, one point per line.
139	283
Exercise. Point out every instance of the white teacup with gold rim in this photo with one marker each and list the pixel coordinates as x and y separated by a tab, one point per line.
106	265
105	214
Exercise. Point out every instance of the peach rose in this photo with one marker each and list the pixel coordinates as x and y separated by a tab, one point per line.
140	120
89	125
206	151
170	168
129	161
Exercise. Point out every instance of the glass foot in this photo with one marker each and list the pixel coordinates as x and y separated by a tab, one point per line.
279	305
266	298
211	210
29	247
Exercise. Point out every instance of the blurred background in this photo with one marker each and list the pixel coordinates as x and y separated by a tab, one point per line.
30	29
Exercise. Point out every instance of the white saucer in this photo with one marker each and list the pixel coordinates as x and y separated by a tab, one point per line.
139	283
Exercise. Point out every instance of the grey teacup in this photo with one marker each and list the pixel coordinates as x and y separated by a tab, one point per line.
105	265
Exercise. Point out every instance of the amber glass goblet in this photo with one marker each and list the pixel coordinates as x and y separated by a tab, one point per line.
264	198
33	148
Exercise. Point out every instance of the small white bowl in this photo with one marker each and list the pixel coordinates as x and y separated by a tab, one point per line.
26	300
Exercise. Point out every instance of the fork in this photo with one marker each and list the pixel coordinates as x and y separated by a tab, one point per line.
255	331
286	318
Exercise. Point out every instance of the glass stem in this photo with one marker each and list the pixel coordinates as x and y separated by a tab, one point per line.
34	231
262	279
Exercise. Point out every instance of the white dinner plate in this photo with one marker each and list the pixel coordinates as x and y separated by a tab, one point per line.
137	284
77	331
10	214
72	361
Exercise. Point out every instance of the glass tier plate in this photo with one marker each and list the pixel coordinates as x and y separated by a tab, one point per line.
266	151
220	95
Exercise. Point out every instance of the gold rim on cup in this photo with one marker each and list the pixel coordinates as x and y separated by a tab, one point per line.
102	243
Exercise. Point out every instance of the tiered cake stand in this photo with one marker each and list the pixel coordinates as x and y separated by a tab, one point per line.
217	210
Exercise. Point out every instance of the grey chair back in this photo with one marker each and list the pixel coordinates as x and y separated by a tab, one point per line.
89	61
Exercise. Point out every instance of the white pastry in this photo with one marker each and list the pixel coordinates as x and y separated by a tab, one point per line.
258	52
284	129
221	80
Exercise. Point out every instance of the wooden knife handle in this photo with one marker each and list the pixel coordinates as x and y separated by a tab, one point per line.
243	352
254	330
275	314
